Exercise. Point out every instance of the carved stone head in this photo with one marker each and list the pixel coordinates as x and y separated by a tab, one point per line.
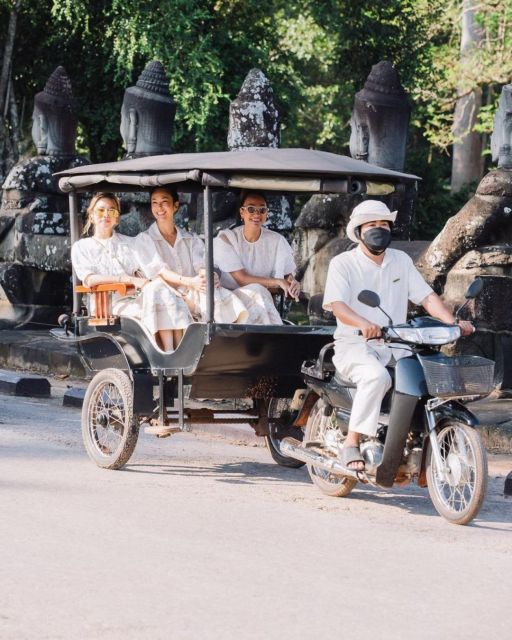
147	114
380	119
54	117
253	115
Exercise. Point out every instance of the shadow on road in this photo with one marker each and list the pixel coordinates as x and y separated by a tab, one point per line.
245	472
496	510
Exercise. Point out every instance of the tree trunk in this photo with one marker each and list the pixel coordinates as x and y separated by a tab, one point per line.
467	164
5	74
8	49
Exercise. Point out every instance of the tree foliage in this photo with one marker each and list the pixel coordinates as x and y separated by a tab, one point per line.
317	54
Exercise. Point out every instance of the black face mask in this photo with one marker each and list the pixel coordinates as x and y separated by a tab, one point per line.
377	240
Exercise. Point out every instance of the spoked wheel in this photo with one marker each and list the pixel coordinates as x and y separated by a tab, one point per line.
109	430
281	418
323	430
459	494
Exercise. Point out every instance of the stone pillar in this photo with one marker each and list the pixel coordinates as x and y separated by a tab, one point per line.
34	222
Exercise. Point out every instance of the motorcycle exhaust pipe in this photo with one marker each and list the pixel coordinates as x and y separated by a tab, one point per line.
293	448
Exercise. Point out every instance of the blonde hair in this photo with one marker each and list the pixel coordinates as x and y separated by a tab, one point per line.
92	204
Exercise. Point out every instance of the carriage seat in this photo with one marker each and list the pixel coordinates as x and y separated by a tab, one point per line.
102	294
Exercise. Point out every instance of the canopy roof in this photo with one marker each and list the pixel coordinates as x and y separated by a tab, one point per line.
263	168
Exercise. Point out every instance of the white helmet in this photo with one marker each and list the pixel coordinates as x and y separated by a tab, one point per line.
368	211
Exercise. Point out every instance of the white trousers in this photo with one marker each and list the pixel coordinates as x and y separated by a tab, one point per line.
365	366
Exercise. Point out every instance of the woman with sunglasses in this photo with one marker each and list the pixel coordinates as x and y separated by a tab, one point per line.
107	256
254	259
183	254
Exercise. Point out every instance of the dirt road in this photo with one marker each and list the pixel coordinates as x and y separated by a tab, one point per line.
203	538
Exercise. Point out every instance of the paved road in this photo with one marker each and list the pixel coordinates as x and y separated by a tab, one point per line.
203	538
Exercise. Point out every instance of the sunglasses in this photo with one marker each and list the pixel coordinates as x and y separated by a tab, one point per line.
101	212
251	209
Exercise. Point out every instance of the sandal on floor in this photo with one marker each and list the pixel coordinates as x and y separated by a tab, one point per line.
348	455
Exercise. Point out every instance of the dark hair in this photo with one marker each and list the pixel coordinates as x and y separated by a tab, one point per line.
170	190
246	193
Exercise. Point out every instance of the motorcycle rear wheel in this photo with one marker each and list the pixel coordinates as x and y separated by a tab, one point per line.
458	497
323	429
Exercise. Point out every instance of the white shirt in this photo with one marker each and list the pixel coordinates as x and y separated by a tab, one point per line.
270	256
115	256
396	281
187	255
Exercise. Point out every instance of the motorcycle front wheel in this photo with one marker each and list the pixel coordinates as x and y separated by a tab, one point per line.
458	495
322	431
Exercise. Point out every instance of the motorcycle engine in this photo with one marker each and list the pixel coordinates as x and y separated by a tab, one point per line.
372	452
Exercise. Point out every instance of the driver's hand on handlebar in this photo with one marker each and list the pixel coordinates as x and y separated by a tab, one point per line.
466	327
370	330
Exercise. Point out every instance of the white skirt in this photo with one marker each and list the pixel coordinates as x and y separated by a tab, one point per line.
228	307
259	304
158	306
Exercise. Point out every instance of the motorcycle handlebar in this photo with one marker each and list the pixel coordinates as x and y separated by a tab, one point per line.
384	334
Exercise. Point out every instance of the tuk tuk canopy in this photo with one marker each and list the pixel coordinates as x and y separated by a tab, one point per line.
304	170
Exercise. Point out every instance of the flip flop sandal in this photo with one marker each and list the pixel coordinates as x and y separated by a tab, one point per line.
349	455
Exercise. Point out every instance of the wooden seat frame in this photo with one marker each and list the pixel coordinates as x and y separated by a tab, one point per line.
103	301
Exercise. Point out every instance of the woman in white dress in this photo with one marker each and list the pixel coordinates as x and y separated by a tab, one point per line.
108	256
253	259
183	254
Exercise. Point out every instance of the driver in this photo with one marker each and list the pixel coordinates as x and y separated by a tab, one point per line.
393	276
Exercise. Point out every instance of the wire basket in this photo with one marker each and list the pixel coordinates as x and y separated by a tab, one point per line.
458	375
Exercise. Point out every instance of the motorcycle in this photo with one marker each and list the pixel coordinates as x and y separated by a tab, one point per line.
426	434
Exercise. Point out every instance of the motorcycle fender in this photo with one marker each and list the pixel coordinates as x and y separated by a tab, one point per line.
457	411
410	378
310	398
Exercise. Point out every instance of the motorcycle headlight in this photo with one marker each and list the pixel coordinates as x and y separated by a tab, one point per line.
427	335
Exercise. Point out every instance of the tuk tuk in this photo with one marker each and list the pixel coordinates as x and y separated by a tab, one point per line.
133	382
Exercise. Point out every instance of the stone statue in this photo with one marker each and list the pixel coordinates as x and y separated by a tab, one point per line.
380	119
477	241
253	122
34	223
147	114
54	117
253	115
501	139
147	123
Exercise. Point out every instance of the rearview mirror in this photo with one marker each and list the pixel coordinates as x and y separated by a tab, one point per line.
369	298
474	289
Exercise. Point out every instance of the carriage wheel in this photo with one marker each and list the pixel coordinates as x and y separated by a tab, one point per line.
280	415
109	429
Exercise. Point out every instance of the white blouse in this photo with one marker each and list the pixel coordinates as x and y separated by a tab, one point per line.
115	256
269	257
187	255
